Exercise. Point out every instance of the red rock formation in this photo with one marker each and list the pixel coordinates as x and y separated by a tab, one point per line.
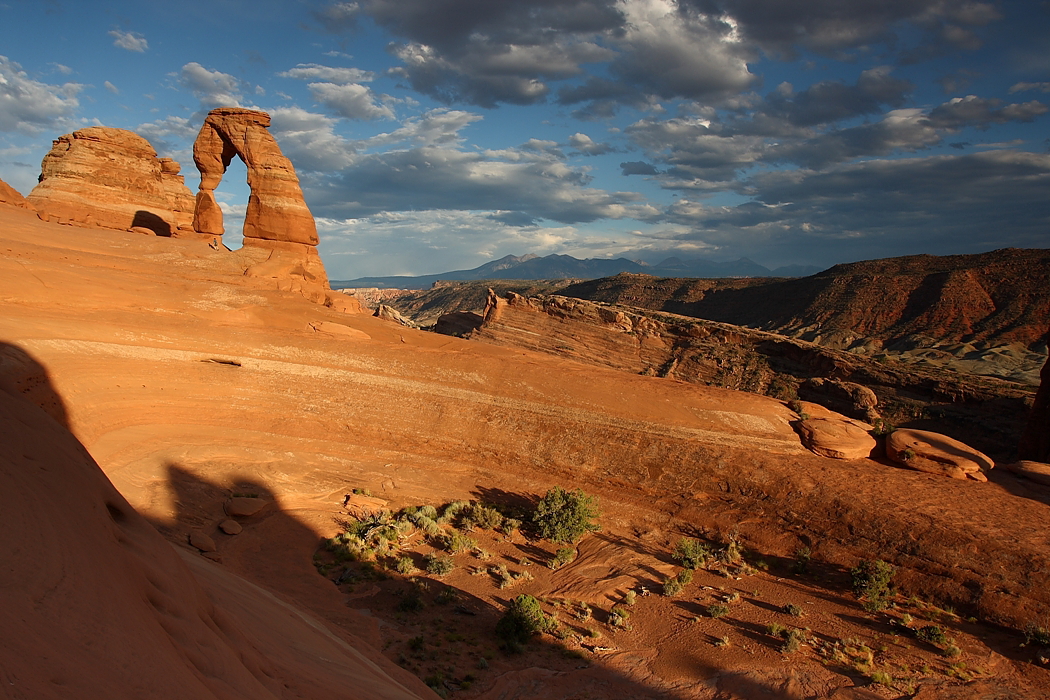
112	178
9	195
1035	442
277	218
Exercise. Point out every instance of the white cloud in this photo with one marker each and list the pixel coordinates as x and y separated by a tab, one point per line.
30	106
111	87
309	140
1020	87
212	88
352	101
131	41
586	145
328	74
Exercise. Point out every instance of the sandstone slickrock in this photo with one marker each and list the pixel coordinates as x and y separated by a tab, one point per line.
112	178
836	438
1035	441
850	398
389	313
9	195
937	454
1038	472
245	507
277	218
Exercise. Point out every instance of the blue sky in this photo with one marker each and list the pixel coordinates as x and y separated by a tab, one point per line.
432	135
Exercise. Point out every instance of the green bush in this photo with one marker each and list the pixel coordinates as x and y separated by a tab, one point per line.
481	516
803	556
523	619
717	610
455	542
438	565
690	553
685	577
565	516
794	610
672	587
933	634
871	580
563	556
404	565
509	526
1034	634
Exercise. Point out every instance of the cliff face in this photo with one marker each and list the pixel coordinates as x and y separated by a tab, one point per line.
987	412
900	304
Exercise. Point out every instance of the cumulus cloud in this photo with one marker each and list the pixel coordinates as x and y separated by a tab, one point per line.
982	112
352	101
212	88
309	140
29	106
1022	87
131	41
588	146
328	74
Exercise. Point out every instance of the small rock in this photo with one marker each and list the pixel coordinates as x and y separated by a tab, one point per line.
243	507
937	454
230	527
202	542
214	556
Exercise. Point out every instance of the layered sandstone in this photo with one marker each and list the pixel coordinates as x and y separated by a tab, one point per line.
112	178
277	219
987	412
9	195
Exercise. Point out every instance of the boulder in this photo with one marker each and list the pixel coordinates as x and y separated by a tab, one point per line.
389	313
202	542
1038	472
112	178
838	438
937	454
338	301
243	507
1035	441
9	195
230	527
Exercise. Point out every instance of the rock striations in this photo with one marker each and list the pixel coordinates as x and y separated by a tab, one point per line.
9	195
277	219
112	178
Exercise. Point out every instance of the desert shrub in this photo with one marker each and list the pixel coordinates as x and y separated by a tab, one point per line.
775	629
932	634
565	516
952	651
455	542
690	553
358	491
449	595
438	565
523	619
782	388
871	580
509	526
803	556
630	597
796	406
412	602
882	678
722	641
882	427
1034	634
908	454
672	587
732	597
794	610
481	516
732	553
404	565
685	577
450	511
563	556
793	640
621	611
427	512
717	610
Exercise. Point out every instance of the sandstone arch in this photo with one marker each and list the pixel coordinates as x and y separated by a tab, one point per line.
277	218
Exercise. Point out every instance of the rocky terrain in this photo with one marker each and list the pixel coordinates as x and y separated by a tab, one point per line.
981	313
182	441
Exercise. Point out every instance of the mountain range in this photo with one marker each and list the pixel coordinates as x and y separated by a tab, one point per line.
550	267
